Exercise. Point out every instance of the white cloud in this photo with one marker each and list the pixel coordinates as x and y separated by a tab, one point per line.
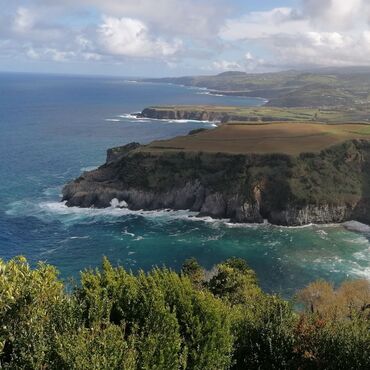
32	53
256	25
226	65
50	54
200	19
247	63
336	14
323	32
315	32
131	37
24	20
59	55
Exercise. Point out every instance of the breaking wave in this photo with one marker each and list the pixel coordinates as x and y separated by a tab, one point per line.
134	117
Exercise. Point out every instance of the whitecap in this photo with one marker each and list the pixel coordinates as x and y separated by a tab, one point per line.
362	272
125	232
115	203
209	93
361	240
112	120
53	191
88	168
136	117
129	115
356	226
362	256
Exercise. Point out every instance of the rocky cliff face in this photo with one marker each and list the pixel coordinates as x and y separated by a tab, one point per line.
330	187
183	114
205	115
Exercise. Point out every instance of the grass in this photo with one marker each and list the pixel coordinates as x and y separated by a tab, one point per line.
282	137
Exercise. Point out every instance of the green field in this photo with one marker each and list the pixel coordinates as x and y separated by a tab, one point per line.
283	137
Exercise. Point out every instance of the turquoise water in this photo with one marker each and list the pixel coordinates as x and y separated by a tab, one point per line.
52	128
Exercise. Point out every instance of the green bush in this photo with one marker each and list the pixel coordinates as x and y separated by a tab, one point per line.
161	320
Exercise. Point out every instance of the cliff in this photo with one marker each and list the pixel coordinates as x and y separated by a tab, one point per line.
222	115
188	114
264	114
327	187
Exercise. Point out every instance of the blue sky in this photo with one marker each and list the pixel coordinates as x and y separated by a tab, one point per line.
178	37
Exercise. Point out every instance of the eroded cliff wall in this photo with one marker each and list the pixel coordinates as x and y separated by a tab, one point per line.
331	186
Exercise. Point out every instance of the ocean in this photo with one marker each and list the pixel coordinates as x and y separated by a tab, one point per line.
52	128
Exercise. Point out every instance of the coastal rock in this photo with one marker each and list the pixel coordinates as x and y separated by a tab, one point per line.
115	154
320	214
203	115
188	114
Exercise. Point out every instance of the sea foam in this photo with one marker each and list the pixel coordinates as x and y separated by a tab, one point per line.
357	226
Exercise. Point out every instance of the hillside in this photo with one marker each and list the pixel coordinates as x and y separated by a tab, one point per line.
342	87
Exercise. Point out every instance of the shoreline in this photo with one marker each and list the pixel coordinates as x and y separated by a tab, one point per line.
205	90
188	215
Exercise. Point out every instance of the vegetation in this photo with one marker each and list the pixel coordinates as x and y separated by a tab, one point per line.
285	138
196	319
336	87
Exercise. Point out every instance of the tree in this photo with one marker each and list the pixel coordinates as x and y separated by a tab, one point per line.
235	282
194	271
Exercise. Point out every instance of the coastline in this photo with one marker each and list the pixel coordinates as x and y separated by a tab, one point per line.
188	215
205	90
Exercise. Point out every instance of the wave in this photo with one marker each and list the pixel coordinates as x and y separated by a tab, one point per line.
356	226
53	192
129	115
58	211
88	168
112	120
209	93
361	272
215	93
45	209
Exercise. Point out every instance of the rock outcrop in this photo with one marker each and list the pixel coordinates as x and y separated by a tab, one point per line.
329	187
202	115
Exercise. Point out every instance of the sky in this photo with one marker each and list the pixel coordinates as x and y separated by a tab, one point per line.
181	37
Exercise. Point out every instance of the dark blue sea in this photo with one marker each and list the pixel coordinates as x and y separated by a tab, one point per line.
52	128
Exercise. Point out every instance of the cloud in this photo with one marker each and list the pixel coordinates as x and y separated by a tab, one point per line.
257	25
130	37
322	32
247	63
24	20
226	65
193	35
336	14
200	19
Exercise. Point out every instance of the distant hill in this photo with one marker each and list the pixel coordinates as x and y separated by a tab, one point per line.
323	87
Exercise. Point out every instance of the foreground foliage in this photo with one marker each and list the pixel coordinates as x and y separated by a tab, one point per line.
218	319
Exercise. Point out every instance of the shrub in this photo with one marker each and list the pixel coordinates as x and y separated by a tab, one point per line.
163	320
